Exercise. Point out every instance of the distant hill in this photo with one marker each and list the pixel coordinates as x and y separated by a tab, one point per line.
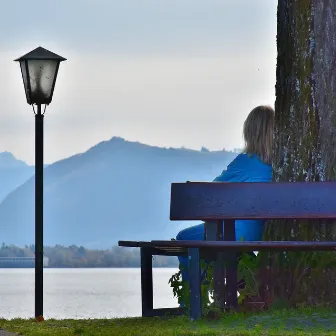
13	173
116	190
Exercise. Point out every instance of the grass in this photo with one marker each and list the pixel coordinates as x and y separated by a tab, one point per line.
285	322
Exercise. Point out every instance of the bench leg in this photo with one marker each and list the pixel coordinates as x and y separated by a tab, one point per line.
231	267
219	281
214	231
146	281
195	283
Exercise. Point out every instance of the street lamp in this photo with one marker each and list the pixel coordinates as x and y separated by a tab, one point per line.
39	70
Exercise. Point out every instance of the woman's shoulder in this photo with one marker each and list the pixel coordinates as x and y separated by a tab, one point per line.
245	167
250	165
241	158
253	159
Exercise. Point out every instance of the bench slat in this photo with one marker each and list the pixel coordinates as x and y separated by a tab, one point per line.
132	243
283	200
166	251
248	245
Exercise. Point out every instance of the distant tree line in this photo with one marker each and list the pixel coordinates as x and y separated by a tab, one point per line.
80	257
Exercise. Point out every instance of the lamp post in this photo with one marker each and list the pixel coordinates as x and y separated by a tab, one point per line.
39	70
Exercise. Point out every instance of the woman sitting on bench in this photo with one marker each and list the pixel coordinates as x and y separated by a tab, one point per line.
252	165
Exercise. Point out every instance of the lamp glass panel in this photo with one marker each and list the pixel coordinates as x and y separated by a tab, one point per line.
42	77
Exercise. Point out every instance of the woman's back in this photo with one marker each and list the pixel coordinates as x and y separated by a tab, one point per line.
244	168
247	168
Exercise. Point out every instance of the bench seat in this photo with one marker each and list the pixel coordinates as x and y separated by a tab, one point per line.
248	246
205	249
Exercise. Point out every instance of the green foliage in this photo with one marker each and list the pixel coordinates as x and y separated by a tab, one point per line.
303	279
247	269
181	289
293	279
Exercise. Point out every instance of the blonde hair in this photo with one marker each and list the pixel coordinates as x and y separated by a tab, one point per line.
258	133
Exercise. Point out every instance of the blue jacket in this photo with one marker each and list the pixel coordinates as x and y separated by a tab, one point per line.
245	168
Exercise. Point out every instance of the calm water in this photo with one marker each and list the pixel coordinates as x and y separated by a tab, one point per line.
81	293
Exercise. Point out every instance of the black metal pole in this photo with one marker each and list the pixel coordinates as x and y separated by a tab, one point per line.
39	212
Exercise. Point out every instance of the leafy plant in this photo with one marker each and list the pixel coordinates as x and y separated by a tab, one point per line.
181	288
248	266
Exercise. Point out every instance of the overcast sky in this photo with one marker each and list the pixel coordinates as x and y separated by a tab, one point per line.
163	72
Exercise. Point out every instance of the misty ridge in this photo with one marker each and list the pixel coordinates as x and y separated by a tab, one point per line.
116	190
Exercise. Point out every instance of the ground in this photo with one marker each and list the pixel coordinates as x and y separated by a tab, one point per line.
286	322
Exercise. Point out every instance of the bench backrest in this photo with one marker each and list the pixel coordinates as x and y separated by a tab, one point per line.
283	200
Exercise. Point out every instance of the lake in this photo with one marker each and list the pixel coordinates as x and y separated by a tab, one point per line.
82	293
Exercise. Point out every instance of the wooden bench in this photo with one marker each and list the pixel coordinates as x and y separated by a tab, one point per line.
215	203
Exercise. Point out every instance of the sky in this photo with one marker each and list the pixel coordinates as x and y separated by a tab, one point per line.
168	73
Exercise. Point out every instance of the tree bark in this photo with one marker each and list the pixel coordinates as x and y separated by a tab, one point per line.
305	138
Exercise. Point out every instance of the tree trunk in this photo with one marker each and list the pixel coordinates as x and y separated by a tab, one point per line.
305	137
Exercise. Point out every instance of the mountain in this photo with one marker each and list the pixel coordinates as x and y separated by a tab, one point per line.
117	190
13	173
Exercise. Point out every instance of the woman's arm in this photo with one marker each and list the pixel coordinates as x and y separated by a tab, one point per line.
221	178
